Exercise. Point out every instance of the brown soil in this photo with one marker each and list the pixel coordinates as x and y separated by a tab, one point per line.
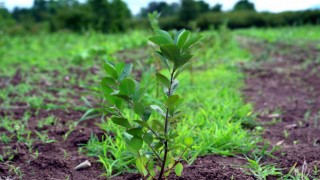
207	167
285	90
55	160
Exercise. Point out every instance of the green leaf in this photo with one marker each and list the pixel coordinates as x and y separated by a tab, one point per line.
159	40
127	87
164	80
158	110
126	71
106	90
146	114
108	81
119	67
172	101
188	141
151	169
182	38
142	123
158	145
110	70
170	51
121	96
118	102
177	35
135	132
182	59
135	144
138	108
182	68
141	163
121	121
138	94
163	59
191	41
174	87
163	33
157	124
178	169
148	138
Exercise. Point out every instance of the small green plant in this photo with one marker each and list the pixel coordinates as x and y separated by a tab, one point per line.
286	134
15	170
262	171
151	141
50	120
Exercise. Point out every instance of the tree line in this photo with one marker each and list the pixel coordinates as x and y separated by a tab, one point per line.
115	16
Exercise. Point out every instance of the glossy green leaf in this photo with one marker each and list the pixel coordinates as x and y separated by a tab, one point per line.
163	33
127	87
158	110
138	108
174	87
191	41
170	51
146	114
177	35
178	169
119	67
110	70
164	80
182	59
108	81
163	60
121	121
118	102
182	39
142	123
126	71
182	68
158	145
135	132
159	40
156	124
172	101
135	144
148	138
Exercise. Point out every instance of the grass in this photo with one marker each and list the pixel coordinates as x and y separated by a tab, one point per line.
286	34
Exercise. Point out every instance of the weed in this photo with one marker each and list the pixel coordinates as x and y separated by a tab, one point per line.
296	173
262	171
285	134
51	120
44	137
15	170
5	139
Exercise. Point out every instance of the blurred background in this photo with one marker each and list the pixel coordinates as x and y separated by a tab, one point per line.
34	16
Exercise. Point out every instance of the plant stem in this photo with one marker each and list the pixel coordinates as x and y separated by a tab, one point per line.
166	131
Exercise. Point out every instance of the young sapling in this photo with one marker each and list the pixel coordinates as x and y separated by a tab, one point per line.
151	140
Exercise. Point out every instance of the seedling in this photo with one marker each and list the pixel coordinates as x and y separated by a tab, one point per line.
285	134
158	134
